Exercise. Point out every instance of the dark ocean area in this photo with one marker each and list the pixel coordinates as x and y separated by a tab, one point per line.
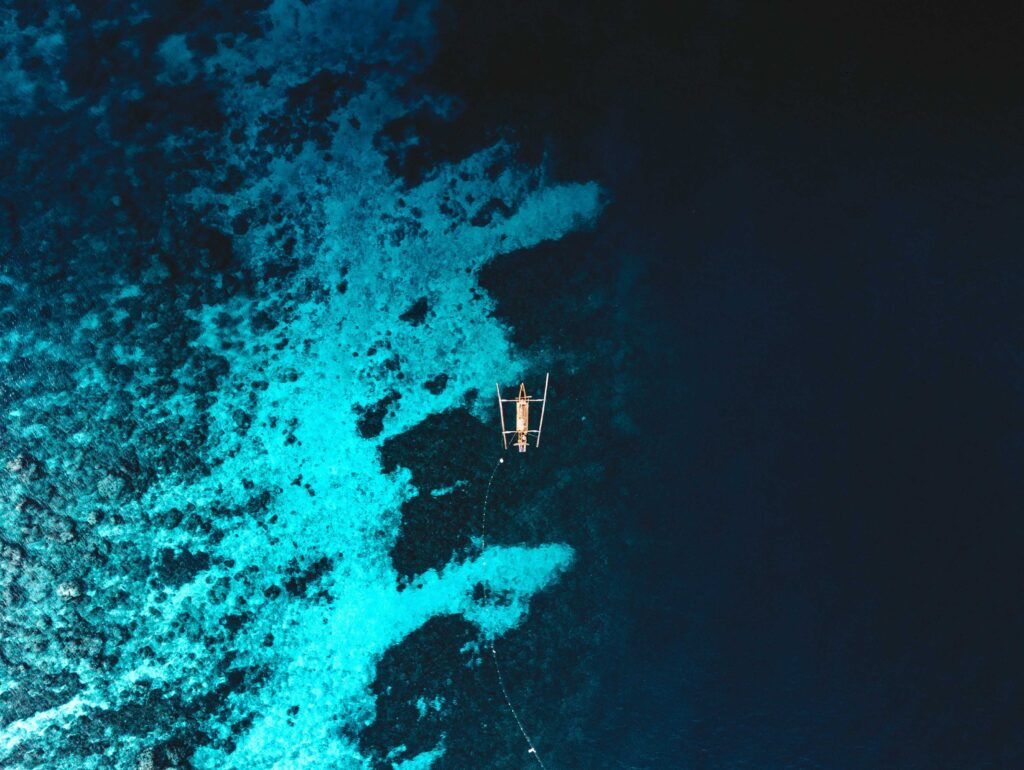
262	262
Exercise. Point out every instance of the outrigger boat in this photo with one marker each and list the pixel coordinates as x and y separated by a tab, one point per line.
523	430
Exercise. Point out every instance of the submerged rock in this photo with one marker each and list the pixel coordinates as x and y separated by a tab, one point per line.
144	759
12	554
436	385
111	487
71	590
370	422
174	754
62	529
416	313
27	466
179	567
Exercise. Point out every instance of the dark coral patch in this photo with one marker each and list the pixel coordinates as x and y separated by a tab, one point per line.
485	214
176	568
427	664
323	93
370	422
22	700
177	107
308	107
435	527
417	312
302	578
408	157
437	384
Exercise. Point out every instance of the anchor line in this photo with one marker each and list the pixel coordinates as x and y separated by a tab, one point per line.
490	643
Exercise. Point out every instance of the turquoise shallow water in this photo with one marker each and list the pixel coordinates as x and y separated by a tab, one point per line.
219	304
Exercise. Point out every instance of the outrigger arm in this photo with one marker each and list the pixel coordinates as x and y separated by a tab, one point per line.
501	411
544	403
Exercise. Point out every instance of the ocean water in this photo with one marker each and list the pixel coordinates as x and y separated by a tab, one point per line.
262	262
245	361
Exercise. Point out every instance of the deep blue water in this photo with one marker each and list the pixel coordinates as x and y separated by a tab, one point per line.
263	262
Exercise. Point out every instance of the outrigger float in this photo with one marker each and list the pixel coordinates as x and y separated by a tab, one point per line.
522	431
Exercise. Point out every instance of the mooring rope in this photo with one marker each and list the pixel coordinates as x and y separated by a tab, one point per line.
494	652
